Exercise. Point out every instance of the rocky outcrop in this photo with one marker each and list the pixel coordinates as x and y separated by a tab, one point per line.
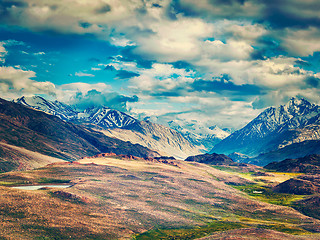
213	159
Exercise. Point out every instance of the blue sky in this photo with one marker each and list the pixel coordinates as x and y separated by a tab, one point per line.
207	62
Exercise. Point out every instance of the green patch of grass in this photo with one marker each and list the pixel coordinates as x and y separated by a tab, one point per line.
223	168
267	195
284	228
95	180
194	202
188	233
53	180
2	183
12	213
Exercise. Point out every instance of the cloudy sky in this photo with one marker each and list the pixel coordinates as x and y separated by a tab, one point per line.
206	62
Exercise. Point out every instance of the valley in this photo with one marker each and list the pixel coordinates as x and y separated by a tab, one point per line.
118	197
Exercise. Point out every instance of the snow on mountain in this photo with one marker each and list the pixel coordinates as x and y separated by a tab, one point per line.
101	116
198	134
106	117
120	125
271	128
59	109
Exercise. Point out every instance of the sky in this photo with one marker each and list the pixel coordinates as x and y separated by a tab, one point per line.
208	62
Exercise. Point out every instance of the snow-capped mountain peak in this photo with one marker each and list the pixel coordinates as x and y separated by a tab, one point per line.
270	124
59	109
107	117
101	116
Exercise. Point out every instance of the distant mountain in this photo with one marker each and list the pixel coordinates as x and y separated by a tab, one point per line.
48	135
204	137
274	128
213	159
116	124
164	140
101	116
56	108
295	150
309	164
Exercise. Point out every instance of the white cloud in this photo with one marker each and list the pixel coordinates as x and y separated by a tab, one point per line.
173	40
219	9
302	42
15	82
40	53
226	51
3	52
121	42
72	88
277	72
73	16
82	74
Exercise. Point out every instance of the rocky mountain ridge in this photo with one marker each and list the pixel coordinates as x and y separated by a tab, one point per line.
275	128
23	128
116	124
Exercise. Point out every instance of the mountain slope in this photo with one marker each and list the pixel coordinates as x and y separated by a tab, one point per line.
114	123
49	135
271	129
204	137
309	164
295	150
56	108
164	140
105	117
101	116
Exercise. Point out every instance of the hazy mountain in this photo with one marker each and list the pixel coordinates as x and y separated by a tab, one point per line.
275	128
204	137
164	140
46	134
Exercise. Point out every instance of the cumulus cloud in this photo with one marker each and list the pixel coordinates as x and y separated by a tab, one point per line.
94	98
15	82
72	16
223	9
83	95
302	42
174	40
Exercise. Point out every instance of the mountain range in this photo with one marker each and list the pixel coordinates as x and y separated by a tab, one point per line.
288	131
116	124
277	133
199	135
26	134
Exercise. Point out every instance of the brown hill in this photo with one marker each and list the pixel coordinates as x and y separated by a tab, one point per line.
213	159
309	206
37	131
304	185
309	164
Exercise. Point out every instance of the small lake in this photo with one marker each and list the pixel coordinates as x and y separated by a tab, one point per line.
36	187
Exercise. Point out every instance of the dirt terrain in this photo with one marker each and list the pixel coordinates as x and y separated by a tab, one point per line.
112	197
